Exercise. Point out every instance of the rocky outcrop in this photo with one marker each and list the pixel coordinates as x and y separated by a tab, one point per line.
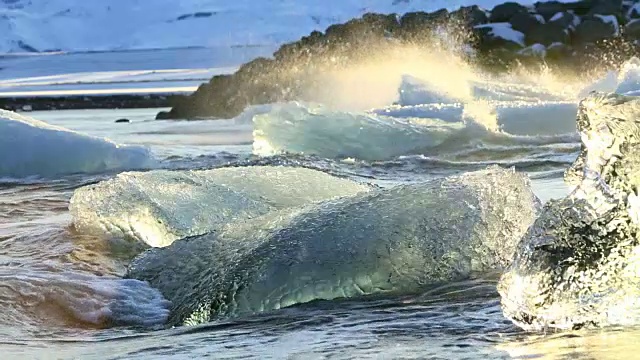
77	102
504	12
574	35
594	28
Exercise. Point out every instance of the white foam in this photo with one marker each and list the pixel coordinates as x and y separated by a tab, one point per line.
100	301
158	207
29	147
432	110
626	80
535	49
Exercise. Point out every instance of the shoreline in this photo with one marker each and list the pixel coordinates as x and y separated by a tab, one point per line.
90	101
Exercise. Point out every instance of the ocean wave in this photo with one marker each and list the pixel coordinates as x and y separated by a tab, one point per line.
417	91
160	206
32	148
624	81
430	112
82	300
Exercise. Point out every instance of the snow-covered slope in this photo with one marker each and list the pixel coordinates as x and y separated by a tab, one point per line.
92	25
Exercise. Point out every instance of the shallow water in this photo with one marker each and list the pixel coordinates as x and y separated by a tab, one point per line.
54	282
50	274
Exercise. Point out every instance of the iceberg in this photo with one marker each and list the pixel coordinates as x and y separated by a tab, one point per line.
29	147
384	241
160	206
315	129
384	134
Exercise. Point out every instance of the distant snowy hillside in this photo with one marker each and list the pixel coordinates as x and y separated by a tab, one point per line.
97	25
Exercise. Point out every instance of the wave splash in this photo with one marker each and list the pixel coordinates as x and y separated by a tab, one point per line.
471	109
72	298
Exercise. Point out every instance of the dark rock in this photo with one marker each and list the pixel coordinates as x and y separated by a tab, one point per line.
634	11
558	52
163	115
524	22
26	47
203	14
580	8
282	78
549	8
608	53
547	34
565	20
632	29
470	16
195	15
361	30
419	21
123	121
591	30
256	66
504	12
296	70
488	40
73	102
606	7
609	9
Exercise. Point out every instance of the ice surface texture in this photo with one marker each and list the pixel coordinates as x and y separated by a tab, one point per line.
29	147
386	134
579	264
393	240
158	207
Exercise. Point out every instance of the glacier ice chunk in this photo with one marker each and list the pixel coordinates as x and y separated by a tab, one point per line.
315	129
160	206
29	147
393	240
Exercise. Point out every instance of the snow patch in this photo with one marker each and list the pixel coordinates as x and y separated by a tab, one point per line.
635	8
504	30
610	19
557	16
